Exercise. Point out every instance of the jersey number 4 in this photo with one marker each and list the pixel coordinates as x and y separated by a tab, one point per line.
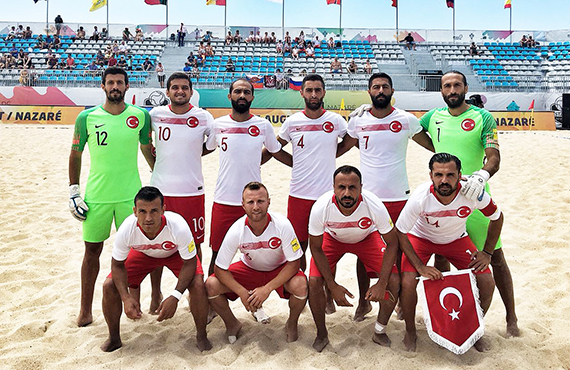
300	142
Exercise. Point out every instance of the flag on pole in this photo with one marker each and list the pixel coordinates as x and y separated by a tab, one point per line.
97	4
36	1
395	3
531	107
450	3
507	4
155	2
216	2
452	311
333	2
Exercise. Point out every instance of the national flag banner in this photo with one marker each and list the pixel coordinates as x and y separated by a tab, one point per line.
216	2
452	311
295	83
97	4
256	81
531	106
155	2
333	2
450	3
507	4
395	3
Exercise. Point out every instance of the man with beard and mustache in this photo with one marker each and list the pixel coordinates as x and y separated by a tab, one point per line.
434	221
349	219
314	134
470	133
112	131
382	134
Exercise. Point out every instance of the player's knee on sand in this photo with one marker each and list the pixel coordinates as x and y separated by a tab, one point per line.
297	286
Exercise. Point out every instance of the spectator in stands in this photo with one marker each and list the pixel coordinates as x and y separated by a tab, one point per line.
207	37
258	38
95	35
127	35
279	47
181	34
476	100
49	40
100	58
531	42
303	72
11	34
330	43
191	59
52	61
250	38
280	80
40	43
473	50
410	42
187	68
352	67
295	52
195	73
123	48
336	66
139	35
130	63
92	67
301	44
229	38
287	48
80	33
24	79
20	32
524	41
112	61
300	38
115	47
147	64
56	43
287	38
69	62
104	35
160	74
27	62
58	24
237	37
316	42
202	49
199	60
209	50
122	63
13	51
368	67
310	51
28	33
266	39
230	67
272	38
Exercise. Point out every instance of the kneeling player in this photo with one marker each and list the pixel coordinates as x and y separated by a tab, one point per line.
270	261
149	239
435	222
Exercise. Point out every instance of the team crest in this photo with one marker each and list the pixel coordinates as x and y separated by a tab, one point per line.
328	127
463	212
395	126
168	245
192	122
253	130
132	122
468	124
364	223
274	243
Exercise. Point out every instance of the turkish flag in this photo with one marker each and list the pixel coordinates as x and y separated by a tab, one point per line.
452	312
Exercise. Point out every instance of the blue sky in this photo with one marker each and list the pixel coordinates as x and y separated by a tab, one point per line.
413	14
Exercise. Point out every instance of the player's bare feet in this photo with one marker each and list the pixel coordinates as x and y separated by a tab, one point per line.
291	331
203	343
111	344
381	339
233	332
410	341
320	343
361	311
513	329
84	319
482	345
154	304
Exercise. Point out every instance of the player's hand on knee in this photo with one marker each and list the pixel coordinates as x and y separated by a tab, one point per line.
430	272
480	261
376	293
132	309
167	308
474	187
77	205
258	296
245	301
358	112
339	294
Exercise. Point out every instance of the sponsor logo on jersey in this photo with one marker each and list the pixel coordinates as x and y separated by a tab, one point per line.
274	242
191	246
253	130
468	124
295	245
364	223
132	122
99	126
192	122
168	245
463	212
395	126
328	127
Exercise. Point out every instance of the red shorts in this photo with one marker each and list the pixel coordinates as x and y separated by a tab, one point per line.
223	217
455	252
139	265
370	251
298	212
395	208
192	209
251	279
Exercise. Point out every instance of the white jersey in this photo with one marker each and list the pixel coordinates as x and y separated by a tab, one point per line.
383	144
314	144
174	236
424	216
179	138
275	246
241	144
369	216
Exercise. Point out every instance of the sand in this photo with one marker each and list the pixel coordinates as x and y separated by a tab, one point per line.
41	252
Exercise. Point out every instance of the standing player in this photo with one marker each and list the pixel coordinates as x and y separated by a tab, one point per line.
112	131
470	133
382	134
314	134
150	238
351	220
270	261
241	137
434	220
180	130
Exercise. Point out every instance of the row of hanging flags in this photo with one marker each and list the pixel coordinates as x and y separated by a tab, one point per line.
450	3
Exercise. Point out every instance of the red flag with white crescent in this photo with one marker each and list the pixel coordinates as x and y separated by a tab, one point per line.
452	311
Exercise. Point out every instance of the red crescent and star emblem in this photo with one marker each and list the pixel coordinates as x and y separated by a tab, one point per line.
192	122
395	126
274	243
463	212
253	130
328	127
468	124
132	122
167	245
364	223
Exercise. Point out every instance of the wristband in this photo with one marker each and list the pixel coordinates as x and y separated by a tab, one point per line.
176	294
490	254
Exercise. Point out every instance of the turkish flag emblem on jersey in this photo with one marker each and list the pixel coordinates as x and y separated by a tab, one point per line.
452	312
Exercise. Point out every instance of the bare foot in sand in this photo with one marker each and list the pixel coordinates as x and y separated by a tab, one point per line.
410	342
291	331
482	345
381	339
320	343
84	319
203	343
111	345
361	311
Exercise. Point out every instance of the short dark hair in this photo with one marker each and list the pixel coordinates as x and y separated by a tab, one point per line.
454	72
379	75
149	193
254	185
444	158
347	170
178	76
313	77
115	71
241	79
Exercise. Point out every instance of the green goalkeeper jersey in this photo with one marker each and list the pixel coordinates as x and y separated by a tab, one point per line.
465	136
113	146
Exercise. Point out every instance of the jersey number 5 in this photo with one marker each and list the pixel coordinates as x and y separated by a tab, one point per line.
224	144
